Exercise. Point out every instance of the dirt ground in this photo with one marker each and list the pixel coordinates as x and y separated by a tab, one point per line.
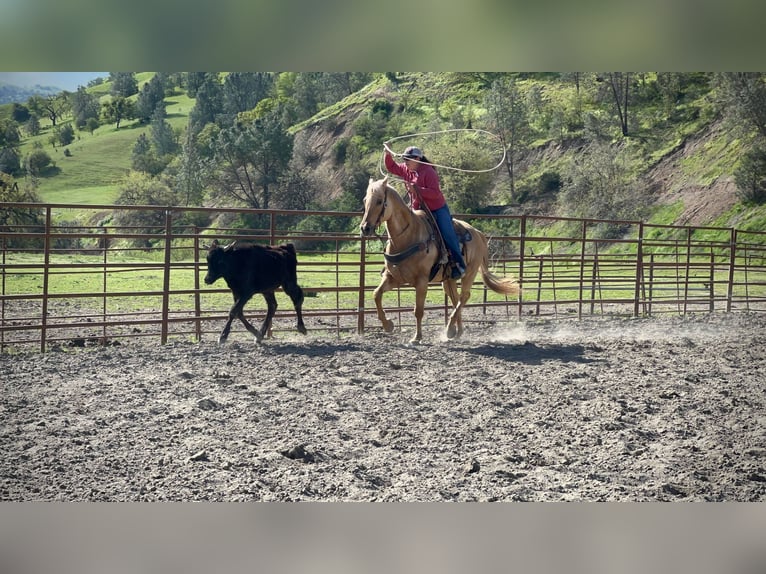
660	409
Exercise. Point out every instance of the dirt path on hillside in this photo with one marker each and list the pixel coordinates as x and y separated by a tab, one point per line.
632	410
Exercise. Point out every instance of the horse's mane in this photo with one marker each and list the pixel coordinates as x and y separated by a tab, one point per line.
392	189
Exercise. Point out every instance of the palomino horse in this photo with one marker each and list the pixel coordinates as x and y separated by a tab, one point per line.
413	258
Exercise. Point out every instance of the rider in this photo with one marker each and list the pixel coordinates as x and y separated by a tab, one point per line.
417	169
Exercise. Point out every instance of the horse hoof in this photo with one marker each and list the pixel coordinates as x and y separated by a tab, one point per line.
388	326
302	330
221	340
452	332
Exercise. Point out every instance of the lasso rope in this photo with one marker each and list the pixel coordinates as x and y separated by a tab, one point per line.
421	134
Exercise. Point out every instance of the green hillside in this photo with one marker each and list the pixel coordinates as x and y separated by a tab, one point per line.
677	150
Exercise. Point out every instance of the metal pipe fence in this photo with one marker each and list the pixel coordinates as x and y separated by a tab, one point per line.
95	275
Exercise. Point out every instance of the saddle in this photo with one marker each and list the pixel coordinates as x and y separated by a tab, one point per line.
444	262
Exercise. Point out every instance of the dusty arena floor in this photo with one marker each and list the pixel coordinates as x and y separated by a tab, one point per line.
662	409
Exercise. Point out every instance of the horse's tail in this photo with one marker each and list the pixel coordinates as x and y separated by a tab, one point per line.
501	285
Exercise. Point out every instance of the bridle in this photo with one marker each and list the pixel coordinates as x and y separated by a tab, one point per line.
379	220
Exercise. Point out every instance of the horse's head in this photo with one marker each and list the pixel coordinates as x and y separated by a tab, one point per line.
375	206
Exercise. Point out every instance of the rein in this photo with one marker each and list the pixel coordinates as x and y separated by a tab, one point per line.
380	217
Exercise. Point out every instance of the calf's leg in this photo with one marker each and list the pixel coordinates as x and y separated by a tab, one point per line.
296	296
236	312
255	332
271	303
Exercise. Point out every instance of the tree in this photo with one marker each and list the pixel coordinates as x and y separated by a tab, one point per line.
617	84
466	190
37	162
64	134
243	90
253	156
20	114
151	97
164	139
142	189
194	81
124	84
600	184
84	107
32	127
507	116
342	84
116	110
208	105
742	98
191	171
91	125
13	218
52	107
750	176
10	141
143	157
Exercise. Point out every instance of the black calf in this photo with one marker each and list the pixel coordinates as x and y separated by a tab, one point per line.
249	269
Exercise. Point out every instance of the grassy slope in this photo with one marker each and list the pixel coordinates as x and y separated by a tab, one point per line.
98	162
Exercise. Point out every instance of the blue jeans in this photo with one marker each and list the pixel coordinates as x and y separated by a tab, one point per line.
444	221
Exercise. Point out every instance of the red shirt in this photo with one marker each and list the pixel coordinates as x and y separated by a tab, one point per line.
425	177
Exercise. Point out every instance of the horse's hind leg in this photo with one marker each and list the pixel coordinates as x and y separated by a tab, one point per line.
386	284
295	293
455	324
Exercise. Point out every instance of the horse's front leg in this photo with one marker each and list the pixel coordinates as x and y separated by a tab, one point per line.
421	290
386	284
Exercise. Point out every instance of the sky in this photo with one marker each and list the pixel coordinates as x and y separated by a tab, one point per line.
69	81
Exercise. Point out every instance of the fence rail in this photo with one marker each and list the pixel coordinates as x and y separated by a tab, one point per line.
136	272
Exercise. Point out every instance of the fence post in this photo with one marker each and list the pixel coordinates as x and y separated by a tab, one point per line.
651	283
687	267
360	300
2	300
104	285
580	288
166	277
639	268
732	259
46	275
711	307
593	281
522	247
197	305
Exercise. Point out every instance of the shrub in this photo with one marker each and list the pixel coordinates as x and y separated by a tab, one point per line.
750	176
37	162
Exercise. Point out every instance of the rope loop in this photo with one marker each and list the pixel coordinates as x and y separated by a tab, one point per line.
386	146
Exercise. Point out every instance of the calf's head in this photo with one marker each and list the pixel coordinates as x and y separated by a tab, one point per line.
216	262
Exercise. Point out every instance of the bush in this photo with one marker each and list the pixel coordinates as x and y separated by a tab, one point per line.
37	162
64	134
750	176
